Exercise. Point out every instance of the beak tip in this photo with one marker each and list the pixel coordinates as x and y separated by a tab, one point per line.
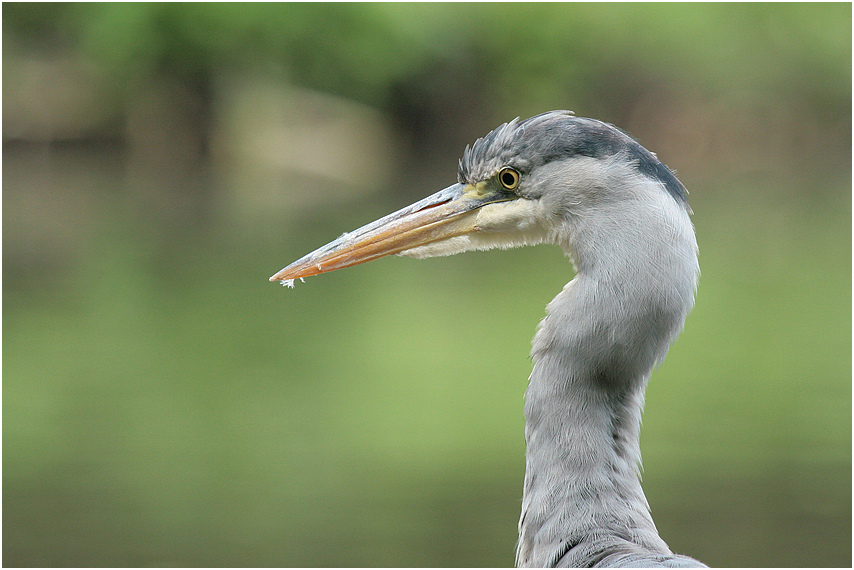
279	276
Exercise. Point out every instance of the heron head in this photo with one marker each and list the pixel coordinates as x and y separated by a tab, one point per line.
518	185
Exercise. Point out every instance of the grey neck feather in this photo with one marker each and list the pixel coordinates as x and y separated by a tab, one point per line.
593	353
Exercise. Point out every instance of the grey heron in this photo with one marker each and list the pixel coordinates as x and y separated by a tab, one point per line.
623	219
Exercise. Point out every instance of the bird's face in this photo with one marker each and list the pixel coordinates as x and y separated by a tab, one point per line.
466	216
521	184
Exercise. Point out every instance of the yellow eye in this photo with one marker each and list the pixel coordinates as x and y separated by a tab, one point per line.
508	177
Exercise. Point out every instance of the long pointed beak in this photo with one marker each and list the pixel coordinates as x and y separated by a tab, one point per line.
448	213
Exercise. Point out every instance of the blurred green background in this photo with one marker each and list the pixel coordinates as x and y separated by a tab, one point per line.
164	405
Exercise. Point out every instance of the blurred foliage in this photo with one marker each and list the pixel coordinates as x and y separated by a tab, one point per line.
362	50
421	61
165	405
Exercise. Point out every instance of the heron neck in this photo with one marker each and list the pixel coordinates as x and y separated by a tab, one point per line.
582	458
593	355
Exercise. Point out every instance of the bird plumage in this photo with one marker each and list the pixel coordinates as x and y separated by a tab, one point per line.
623	219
